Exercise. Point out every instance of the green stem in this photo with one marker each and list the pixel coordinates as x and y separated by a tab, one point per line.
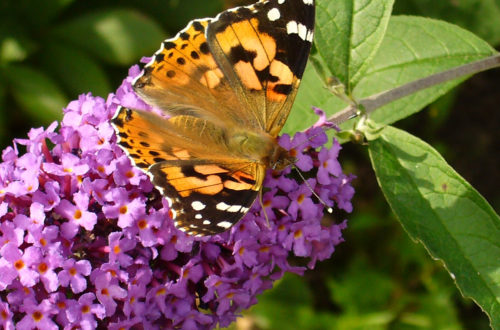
376	101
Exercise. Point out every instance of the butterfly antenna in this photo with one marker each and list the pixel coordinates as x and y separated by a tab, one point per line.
264	208
328	208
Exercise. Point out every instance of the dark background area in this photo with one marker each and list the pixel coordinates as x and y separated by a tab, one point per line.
378	278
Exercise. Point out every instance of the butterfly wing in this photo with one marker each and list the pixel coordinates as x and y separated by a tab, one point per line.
262	50
207	187
183	79
241	68
208	197
238	72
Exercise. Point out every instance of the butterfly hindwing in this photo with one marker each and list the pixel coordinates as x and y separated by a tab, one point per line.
207	198
208	189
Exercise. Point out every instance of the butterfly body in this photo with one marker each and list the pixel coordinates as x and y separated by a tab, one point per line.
227	84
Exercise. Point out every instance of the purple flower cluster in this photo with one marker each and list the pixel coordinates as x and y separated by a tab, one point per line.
85	240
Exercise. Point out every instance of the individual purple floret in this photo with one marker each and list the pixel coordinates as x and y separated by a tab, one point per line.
86	241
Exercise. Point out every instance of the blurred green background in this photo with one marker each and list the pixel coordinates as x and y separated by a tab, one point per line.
53	50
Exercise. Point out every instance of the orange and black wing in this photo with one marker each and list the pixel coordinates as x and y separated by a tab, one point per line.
183	78
237	72
262	50
208	196
208	189
241	68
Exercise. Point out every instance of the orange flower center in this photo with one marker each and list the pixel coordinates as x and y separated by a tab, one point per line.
42	268
301	198
142	224
37	316
19	264
85	309
77	215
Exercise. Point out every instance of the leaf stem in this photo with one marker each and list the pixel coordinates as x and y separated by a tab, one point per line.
376	101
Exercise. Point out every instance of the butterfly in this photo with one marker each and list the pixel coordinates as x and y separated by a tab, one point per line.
227	84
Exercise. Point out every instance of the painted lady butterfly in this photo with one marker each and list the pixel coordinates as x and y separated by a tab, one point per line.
228	84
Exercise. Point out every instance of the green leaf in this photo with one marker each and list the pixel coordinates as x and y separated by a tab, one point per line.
477	16
117	36
438	208
348	34
76	70
312	92
414	48
15	45
36	93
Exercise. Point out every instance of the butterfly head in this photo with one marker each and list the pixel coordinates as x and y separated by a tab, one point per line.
281	158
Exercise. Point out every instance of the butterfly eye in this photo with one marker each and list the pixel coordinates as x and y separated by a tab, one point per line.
241	139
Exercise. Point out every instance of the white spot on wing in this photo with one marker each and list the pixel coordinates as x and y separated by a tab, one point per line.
308	2
281	2
273	14
302	31
234	208
206	222
222	206
291	27
197	205
224	224
198	216
310	35
228	208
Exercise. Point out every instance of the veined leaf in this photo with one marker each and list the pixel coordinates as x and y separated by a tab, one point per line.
348	34
438	208
413	48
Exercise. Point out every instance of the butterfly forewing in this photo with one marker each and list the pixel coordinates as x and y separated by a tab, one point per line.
228	84
183	79
262	50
